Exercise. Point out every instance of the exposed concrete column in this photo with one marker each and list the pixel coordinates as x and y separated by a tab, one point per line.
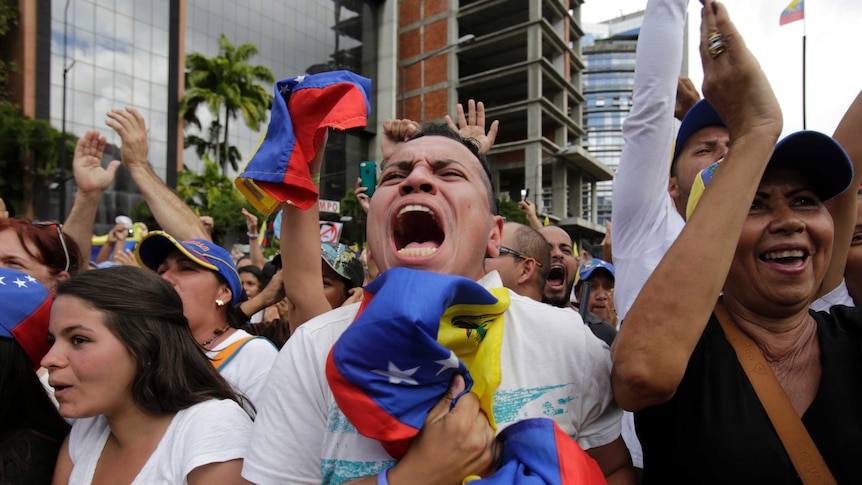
452	58
594	203
560	187
386	85
533	154
576	203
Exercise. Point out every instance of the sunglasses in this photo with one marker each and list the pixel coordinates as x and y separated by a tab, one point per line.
517	254
62	238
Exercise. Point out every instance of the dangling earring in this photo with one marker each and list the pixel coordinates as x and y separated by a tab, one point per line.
219	303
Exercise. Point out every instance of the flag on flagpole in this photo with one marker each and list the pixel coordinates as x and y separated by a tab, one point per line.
793	12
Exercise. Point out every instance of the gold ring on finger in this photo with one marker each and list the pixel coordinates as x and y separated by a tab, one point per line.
714	45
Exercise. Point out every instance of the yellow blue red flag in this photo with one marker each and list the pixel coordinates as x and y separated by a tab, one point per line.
793	12
414	331
302	109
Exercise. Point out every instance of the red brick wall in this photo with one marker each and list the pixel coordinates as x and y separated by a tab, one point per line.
416	37
435	104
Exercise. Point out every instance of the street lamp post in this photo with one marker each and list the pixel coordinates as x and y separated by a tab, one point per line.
62	165
463	40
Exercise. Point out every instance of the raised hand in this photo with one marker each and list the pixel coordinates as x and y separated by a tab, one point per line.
396	132
686	97
90	176
361	196
473	125
126	257
250	221
734	83
132	128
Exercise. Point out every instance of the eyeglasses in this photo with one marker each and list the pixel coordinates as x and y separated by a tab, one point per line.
62	238
518	254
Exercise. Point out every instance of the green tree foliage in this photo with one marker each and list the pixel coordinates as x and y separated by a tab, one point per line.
211	145
8	21
29	156
213	194
351	207
508	208
226	85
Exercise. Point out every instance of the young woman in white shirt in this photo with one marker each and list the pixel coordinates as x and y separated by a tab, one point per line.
149	407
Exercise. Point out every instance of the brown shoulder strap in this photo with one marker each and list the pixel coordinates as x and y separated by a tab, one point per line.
806	458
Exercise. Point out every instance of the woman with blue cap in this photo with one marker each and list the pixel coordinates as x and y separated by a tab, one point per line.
732	377
207	281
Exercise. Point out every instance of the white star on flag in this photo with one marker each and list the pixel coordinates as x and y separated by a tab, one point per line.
21	283
451	363
31	279
397	376
1	281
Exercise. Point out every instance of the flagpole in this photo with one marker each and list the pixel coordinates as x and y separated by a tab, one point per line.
803	74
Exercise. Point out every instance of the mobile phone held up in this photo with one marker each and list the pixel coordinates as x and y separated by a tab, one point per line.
368	175
525	193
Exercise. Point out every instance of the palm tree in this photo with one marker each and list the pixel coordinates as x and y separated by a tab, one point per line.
226	82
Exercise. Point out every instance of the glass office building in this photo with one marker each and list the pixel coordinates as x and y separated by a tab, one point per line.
608	84
107	54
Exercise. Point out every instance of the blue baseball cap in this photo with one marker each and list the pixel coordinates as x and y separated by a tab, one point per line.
820	159
817	156
699	116
588	267
155	247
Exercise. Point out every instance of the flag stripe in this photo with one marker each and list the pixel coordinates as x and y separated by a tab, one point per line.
793	12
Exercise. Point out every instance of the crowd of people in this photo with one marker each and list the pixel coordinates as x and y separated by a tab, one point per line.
714	339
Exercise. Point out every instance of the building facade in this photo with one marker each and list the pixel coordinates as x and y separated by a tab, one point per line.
82	58
523	59
608	79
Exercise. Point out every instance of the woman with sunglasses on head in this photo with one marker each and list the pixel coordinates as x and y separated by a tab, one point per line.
149	406
39	249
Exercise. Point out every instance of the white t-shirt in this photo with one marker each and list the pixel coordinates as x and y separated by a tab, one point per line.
209	432
552	366
247	370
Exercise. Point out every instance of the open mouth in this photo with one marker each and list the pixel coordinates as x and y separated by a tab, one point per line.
787	257
417	231
557	276
58	388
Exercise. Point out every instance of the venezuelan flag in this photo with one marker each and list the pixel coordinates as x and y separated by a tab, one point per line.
414	331
302	109
537	452
793	12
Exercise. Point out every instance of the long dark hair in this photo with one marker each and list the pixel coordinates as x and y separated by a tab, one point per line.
31	429
146	314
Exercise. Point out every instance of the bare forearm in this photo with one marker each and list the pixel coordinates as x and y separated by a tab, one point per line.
652	349
170	212
255	253
843	207
104	253
300	251
80	222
